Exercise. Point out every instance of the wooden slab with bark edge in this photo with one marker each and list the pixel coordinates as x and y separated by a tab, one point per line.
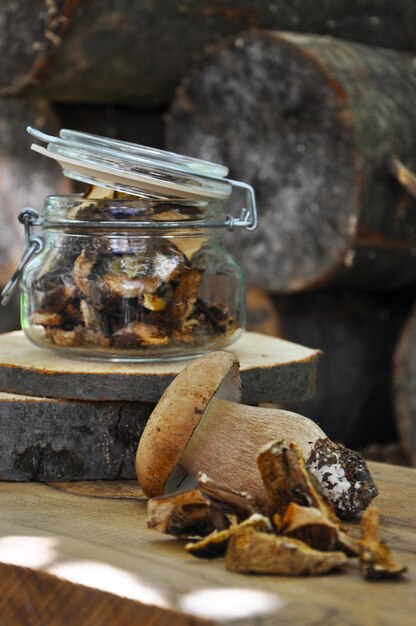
272	370
103	542
50	439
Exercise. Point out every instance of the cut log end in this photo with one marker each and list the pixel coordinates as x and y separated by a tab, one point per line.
216	116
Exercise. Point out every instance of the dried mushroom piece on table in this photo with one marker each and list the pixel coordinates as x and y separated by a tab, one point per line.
376	560
310	526
253	552
214	545
297	505
240	503
287	480
300	536
333	477
185	514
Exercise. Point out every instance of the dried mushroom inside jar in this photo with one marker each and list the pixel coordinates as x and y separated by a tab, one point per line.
134	289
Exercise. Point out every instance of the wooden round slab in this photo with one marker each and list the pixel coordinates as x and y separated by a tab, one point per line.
272	370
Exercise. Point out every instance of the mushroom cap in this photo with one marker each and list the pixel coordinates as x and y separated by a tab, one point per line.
179	412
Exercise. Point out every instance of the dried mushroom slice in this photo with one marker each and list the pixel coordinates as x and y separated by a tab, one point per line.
185	295
95	338
65	338
139	334
241	503
60	298
55	287
310	526
82	269
94	192
313	527
190	246
185	514
91	318
214	545
71	312
106	277
348	544
217	317
98	193
176	211
376	560
44	318
153	302
118	285
253	552
168	263
287	480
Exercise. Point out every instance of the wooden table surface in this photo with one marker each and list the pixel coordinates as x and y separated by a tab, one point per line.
95	535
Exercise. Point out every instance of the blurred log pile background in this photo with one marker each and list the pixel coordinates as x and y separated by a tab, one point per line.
313	103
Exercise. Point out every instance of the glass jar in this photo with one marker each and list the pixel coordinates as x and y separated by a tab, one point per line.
132	277
126	293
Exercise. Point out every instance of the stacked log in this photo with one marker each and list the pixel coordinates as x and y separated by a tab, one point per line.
357	332
404	387
324	131
101	51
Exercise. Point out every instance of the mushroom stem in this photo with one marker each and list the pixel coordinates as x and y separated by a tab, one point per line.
227	440
200	425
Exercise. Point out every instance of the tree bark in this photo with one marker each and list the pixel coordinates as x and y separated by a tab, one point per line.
323	130
46	439
357	333
404	387
101	51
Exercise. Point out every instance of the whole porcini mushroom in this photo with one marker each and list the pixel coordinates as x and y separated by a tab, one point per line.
200	425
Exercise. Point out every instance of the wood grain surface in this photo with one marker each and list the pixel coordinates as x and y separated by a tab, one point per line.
272	370
103	543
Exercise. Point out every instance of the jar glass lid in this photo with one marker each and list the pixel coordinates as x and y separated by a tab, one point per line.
139	170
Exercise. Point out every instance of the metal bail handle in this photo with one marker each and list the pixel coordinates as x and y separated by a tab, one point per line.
33	245
248	217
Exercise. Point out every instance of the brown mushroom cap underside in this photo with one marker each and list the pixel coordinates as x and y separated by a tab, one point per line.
178	414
